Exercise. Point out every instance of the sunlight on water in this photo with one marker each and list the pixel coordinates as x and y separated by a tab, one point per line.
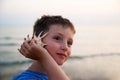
95	53
96	40
97	68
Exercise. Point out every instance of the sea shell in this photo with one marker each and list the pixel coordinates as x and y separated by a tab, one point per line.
39	39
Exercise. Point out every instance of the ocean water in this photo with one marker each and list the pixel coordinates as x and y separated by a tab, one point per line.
95	52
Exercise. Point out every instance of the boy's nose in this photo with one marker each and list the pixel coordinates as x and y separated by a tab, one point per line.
64	46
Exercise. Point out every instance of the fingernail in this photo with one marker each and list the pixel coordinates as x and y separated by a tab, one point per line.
28	37
24	38
18	50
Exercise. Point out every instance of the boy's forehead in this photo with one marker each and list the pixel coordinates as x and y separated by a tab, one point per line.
60	30
58	27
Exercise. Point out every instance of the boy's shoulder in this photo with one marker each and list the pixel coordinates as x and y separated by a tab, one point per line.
31	75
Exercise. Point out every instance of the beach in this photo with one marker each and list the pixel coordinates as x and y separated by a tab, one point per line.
95	53
97	68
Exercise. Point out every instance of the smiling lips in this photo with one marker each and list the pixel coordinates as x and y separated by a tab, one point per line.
62	55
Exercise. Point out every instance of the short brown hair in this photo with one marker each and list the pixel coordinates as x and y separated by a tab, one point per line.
44	23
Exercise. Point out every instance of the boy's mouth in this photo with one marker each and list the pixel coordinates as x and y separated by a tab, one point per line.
62	55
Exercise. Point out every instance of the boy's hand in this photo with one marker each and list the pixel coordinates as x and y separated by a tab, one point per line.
32	49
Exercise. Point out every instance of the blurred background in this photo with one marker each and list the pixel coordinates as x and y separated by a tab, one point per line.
96	48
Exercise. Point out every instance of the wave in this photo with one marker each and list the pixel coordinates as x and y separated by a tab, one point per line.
10	38
9	41
6	63
9	44
94	56
73	58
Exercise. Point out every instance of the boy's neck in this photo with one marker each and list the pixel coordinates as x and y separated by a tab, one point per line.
36	66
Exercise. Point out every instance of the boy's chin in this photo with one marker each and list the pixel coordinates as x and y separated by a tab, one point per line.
60	64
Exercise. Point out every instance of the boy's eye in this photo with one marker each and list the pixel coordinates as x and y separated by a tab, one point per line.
57	38
70	43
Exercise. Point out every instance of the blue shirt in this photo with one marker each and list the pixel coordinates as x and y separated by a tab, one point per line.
31	75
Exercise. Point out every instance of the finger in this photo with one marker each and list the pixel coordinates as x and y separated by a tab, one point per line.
23	52
20	51
33	42
23	49
24	39
33	35
26	44
28	37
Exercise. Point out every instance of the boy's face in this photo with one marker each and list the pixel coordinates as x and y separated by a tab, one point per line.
59	41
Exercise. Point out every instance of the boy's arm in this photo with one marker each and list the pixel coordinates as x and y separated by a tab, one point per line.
31	49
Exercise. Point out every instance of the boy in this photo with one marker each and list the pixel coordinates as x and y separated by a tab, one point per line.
53	49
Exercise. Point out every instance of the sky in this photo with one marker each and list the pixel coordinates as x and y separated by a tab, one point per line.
100	16
84	12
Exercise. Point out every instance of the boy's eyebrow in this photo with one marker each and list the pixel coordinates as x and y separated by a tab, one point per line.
60	34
